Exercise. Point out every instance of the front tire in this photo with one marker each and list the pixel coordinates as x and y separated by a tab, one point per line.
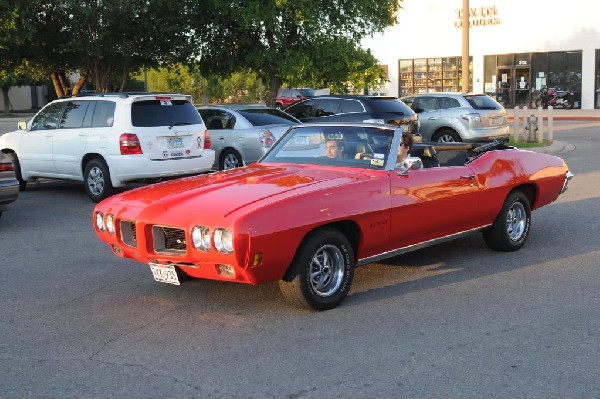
511	228
96	178
447	136
322	271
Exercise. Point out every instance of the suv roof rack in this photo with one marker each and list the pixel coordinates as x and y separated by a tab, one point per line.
120	94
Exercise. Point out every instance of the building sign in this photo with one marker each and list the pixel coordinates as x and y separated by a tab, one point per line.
479	16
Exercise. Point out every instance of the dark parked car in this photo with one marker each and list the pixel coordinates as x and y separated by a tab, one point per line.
347	108
9	185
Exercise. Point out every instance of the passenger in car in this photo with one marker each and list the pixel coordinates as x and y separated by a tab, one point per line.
403	160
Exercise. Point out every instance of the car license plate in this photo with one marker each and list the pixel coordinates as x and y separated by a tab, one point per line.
497	120
164	273
174	142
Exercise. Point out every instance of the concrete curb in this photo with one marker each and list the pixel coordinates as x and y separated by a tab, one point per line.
557	147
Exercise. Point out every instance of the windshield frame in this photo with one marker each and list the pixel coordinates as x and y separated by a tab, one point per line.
385	159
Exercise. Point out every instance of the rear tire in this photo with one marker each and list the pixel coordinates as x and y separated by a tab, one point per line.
511	228
447	136
15	161
322	271
96	179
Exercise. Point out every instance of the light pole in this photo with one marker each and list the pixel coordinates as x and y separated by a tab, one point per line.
465	47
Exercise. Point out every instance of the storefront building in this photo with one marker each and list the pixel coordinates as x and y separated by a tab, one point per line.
516	47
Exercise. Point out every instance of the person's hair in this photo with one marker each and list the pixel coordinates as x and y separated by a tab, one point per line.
407	139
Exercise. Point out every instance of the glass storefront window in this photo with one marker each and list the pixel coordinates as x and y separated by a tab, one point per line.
425	75
559	70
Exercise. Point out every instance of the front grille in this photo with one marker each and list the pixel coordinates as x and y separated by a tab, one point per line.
128	233
168	240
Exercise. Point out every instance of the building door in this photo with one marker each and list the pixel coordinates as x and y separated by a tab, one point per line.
522	85
506	90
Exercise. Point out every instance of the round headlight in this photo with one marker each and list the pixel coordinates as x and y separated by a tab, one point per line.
110	223
201	238
224	241
100	221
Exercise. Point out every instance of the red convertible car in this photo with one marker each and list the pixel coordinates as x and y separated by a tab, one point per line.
306	219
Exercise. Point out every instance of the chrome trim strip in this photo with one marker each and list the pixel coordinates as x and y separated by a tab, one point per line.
568	177
419	245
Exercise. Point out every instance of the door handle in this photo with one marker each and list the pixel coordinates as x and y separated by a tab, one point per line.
470	177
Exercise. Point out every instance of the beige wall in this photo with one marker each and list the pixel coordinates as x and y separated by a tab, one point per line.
20	98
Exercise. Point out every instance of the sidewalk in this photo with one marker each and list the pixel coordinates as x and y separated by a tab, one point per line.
558	114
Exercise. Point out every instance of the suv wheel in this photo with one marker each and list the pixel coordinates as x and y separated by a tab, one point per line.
97	180
447	136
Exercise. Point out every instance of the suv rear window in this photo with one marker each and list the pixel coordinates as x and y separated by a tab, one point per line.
482	102
389	105
262	117
151	113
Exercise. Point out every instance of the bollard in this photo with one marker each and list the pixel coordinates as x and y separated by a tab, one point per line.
540	121
550	124
516	125
532	127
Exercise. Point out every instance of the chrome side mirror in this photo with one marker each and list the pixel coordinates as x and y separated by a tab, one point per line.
22	125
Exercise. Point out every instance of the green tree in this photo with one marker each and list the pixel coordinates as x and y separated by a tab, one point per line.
103	39
283	39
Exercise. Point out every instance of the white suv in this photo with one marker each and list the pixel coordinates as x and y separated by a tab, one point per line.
107	140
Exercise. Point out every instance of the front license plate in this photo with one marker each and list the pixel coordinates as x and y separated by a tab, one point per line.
496	120
174	142
164	273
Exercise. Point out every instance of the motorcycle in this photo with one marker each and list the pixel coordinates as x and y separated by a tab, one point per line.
555	98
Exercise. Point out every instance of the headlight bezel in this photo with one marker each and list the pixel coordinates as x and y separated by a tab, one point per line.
223	240
99	220
203	241
109	222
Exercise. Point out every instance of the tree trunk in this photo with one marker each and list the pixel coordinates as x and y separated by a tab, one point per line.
56	83
124	78
274	83
63	83
82	79
6	99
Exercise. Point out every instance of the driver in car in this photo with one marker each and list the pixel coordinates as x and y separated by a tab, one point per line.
334	148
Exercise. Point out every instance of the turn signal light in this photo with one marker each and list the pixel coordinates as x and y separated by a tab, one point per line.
226	270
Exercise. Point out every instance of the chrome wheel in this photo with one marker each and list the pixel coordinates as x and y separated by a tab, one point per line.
321	274
95	181
511	227
516	220
326	270
230	159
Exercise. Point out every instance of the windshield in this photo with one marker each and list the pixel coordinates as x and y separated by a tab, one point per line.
347	146
263	117
483	102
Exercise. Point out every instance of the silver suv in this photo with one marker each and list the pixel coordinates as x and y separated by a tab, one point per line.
448	117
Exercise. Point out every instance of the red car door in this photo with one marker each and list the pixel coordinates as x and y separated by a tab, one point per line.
431	203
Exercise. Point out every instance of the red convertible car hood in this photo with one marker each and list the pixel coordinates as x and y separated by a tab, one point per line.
224	192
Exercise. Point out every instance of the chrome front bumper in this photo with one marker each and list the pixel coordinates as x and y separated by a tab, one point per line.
568	177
